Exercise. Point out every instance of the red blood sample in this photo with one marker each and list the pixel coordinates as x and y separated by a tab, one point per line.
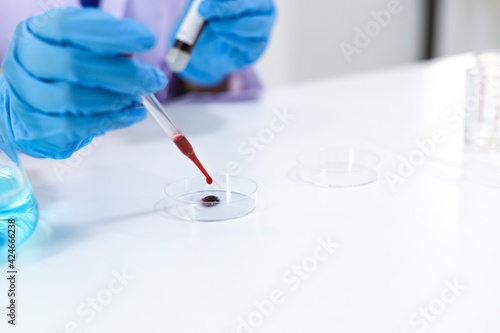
210	201
185	147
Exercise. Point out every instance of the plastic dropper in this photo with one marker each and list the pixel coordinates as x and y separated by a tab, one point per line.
161	116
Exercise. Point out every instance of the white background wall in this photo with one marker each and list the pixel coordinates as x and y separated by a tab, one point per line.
308	34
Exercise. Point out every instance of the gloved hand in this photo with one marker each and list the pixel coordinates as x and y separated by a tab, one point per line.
236	35
68	81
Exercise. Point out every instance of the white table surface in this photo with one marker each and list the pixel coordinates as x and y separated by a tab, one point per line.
398	251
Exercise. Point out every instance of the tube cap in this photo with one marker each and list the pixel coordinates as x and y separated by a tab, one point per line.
177	60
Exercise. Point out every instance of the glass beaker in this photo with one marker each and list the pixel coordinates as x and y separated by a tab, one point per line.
482	122
18	207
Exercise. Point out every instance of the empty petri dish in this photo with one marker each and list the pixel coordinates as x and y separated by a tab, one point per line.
337	167
228	197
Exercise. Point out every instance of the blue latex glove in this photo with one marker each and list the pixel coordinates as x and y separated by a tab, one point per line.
236	35
68	81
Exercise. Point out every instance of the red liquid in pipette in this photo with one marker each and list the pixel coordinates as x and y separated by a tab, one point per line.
185	147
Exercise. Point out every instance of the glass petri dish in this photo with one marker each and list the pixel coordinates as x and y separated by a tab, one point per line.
192	199
337	167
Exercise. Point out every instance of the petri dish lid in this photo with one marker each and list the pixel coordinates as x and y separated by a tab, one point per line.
228	197
337	167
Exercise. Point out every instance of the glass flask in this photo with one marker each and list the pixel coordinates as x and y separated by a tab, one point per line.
18	207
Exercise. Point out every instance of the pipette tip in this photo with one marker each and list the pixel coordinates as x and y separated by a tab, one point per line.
185	147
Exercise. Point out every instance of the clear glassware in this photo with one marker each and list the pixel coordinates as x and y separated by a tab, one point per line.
482	122
487	58
18	207
337	167
229	197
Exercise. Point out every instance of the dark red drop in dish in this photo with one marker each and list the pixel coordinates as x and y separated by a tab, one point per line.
210	201
185	147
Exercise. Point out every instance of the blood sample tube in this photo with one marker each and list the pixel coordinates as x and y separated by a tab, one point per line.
185	39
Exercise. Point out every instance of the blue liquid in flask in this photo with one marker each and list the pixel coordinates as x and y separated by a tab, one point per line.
16	203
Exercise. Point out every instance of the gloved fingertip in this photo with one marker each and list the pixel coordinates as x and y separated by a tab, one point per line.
162	78
206	10
147	38
158	80
140	114
130	117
